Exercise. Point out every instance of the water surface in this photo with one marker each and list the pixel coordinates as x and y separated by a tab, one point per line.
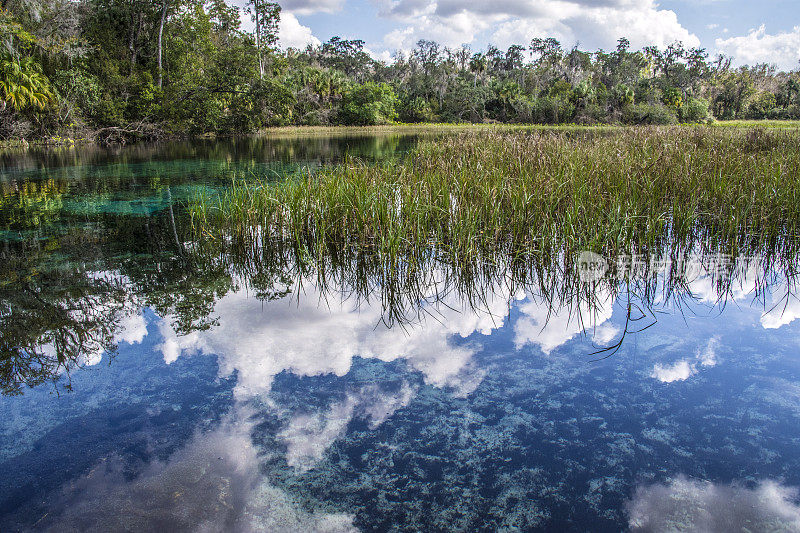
150	383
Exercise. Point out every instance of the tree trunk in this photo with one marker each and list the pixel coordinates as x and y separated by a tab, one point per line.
133	44
256	7
178	243
161	40
131	39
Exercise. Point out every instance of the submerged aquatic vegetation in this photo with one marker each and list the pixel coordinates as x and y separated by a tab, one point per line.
539	193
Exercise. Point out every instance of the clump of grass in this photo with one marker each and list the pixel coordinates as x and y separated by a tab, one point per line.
538	193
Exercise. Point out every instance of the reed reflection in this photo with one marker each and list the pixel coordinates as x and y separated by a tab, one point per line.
69	299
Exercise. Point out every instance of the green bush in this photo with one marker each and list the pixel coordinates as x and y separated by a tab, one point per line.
779	113
672	97
656	114
315	117
266	103
761	105
591	113
144	101
369	104
78	88
109	111
549	110
417	110
695	110
623	96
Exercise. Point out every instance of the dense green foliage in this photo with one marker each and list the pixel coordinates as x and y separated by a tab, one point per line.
142	68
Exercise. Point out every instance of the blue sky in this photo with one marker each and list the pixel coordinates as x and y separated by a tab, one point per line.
765	31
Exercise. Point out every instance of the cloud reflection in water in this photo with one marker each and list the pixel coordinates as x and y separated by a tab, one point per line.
212	484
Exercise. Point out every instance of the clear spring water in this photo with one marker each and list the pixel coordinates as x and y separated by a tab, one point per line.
147	389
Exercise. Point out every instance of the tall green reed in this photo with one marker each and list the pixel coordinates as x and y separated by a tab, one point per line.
480	194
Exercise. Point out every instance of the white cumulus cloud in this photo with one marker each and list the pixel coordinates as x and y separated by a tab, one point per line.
680	371
550	328
308	7
686	368
758	46
690	505
784	309
262	339
593	23
292	34
210	484
308	435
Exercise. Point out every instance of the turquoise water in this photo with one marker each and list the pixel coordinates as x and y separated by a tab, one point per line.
150	384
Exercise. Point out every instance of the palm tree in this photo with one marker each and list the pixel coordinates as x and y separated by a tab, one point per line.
478	65
22	84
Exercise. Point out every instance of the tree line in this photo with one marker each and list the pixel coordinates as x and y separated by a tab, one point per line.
121	69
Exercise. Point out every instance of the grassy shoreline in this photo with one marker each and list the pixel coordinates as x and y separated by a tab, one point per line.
424	127
400	128
466	127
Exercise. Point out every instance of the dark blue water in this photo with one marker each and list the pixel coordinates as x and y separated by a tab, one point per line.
201	399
